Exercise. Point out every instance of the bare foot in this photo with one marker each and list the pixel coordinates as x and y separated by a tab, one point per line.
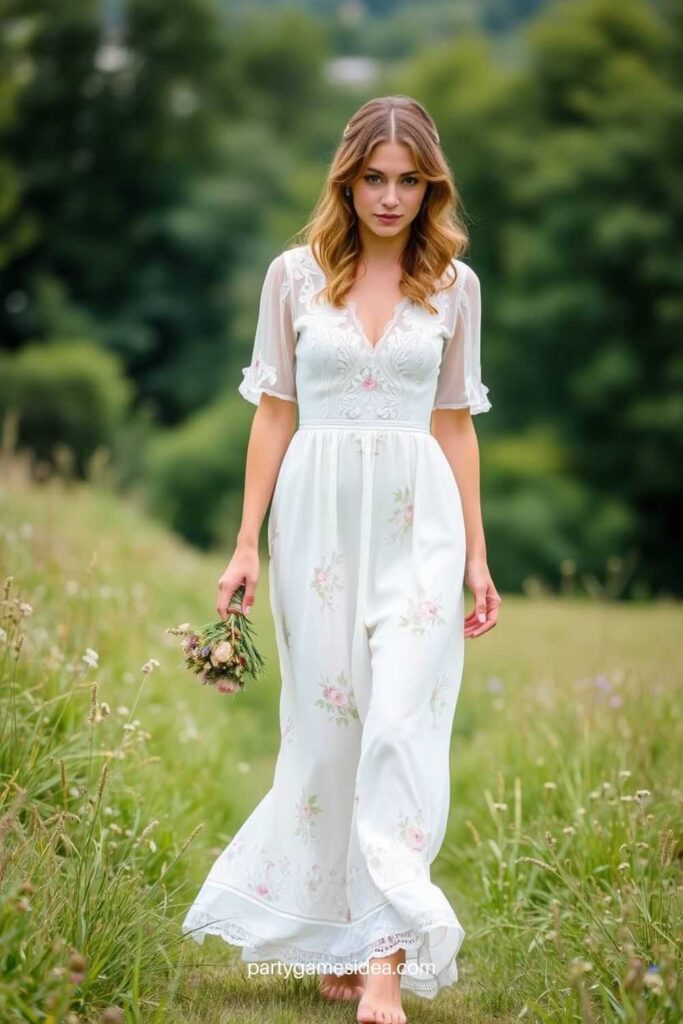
341	986
381	999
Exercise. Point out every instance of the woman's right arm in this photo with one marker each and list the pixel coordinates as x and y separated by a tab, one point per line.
272	428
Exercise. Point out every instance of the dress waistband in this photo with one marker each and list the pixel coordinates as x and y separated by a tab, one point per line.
390	425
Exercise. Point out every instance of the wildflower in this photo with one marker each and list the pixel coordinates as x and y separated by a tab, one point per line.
641	794
550	785
569	830
579	967
227	686
150	665
78	965
180	630
91	657
145	832
625	773
653	979
624	866
25	609
500	807
113	1015
222	653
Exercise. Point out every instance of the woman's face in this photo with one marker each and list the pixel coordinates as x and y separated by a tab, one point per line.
388	185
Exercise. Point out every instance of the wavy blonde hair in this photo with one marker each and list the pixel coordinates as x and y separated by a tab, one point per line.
437	234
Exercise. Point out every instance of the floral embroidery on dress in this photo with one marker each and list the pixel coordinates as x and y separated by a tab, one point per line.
306	810
329	889
402	515
269	878
370	392
338	701
438	700
422	614
413	833
326	580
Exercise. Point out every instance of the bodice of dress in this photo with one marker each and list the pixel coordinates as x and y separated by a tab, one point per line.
307	351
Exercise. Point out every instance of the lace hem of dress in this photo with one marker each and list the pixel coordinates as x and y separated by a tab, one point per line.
254	379
412	938
477	400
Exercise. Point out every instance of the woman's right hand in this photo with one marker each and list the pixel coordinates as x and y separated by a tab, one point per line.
242	568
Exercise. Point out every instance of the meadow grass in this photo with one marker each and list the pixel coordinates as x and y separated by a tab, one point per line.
122	778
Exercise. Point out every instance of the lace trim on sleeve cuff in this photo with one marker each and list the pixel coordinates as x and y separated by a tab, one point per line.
255	377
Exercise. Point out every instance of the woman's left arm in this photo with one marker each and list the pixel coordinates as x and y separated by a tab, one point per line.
454	430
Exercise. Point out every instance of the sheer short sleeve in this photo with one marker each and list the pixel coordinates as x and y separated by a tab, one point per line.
459	384
272	368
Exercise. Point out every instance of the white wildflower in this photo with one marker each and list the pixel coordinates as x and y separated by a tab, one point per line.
91	657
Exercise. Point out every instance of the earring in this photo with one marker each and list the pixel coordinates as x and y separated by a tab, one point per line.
347	191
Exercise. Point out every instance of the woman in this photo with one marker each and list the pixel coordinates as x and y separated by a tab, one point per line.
371	327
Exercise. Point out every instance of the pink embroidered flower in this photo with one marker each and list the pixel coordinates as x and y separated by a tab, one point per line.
336	696
262	889
369	382
423	613
427	609
306	808
415	837
412	833
338	700
326	579
408	513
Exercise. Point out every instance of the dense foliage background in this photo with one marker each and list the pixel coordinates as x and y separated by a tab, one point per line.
155	156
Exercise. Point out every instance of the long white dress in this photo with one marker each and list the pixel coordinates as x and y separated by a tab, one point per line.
367	549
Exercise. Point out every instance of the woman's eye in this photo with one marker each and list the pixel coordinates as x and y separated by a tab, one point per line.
409	178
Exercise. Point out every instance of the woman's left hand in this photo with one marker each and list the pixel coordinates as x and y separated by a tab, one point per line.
484	615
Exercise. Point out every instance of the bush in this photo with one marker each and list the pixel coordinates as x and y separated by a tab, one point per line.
195	473
69	393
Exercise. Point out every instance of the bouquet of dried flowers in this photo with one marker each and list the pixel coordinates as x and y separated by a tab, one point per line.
222	653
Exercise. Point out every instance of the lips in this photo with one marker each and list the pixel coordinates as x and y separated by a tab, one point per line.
387	216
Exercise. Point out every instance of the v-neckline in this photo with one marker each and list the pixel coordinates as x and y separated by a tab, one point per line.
352	306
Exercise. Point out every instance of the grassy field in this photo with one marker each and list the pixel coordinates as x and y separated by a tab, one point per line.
121	779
